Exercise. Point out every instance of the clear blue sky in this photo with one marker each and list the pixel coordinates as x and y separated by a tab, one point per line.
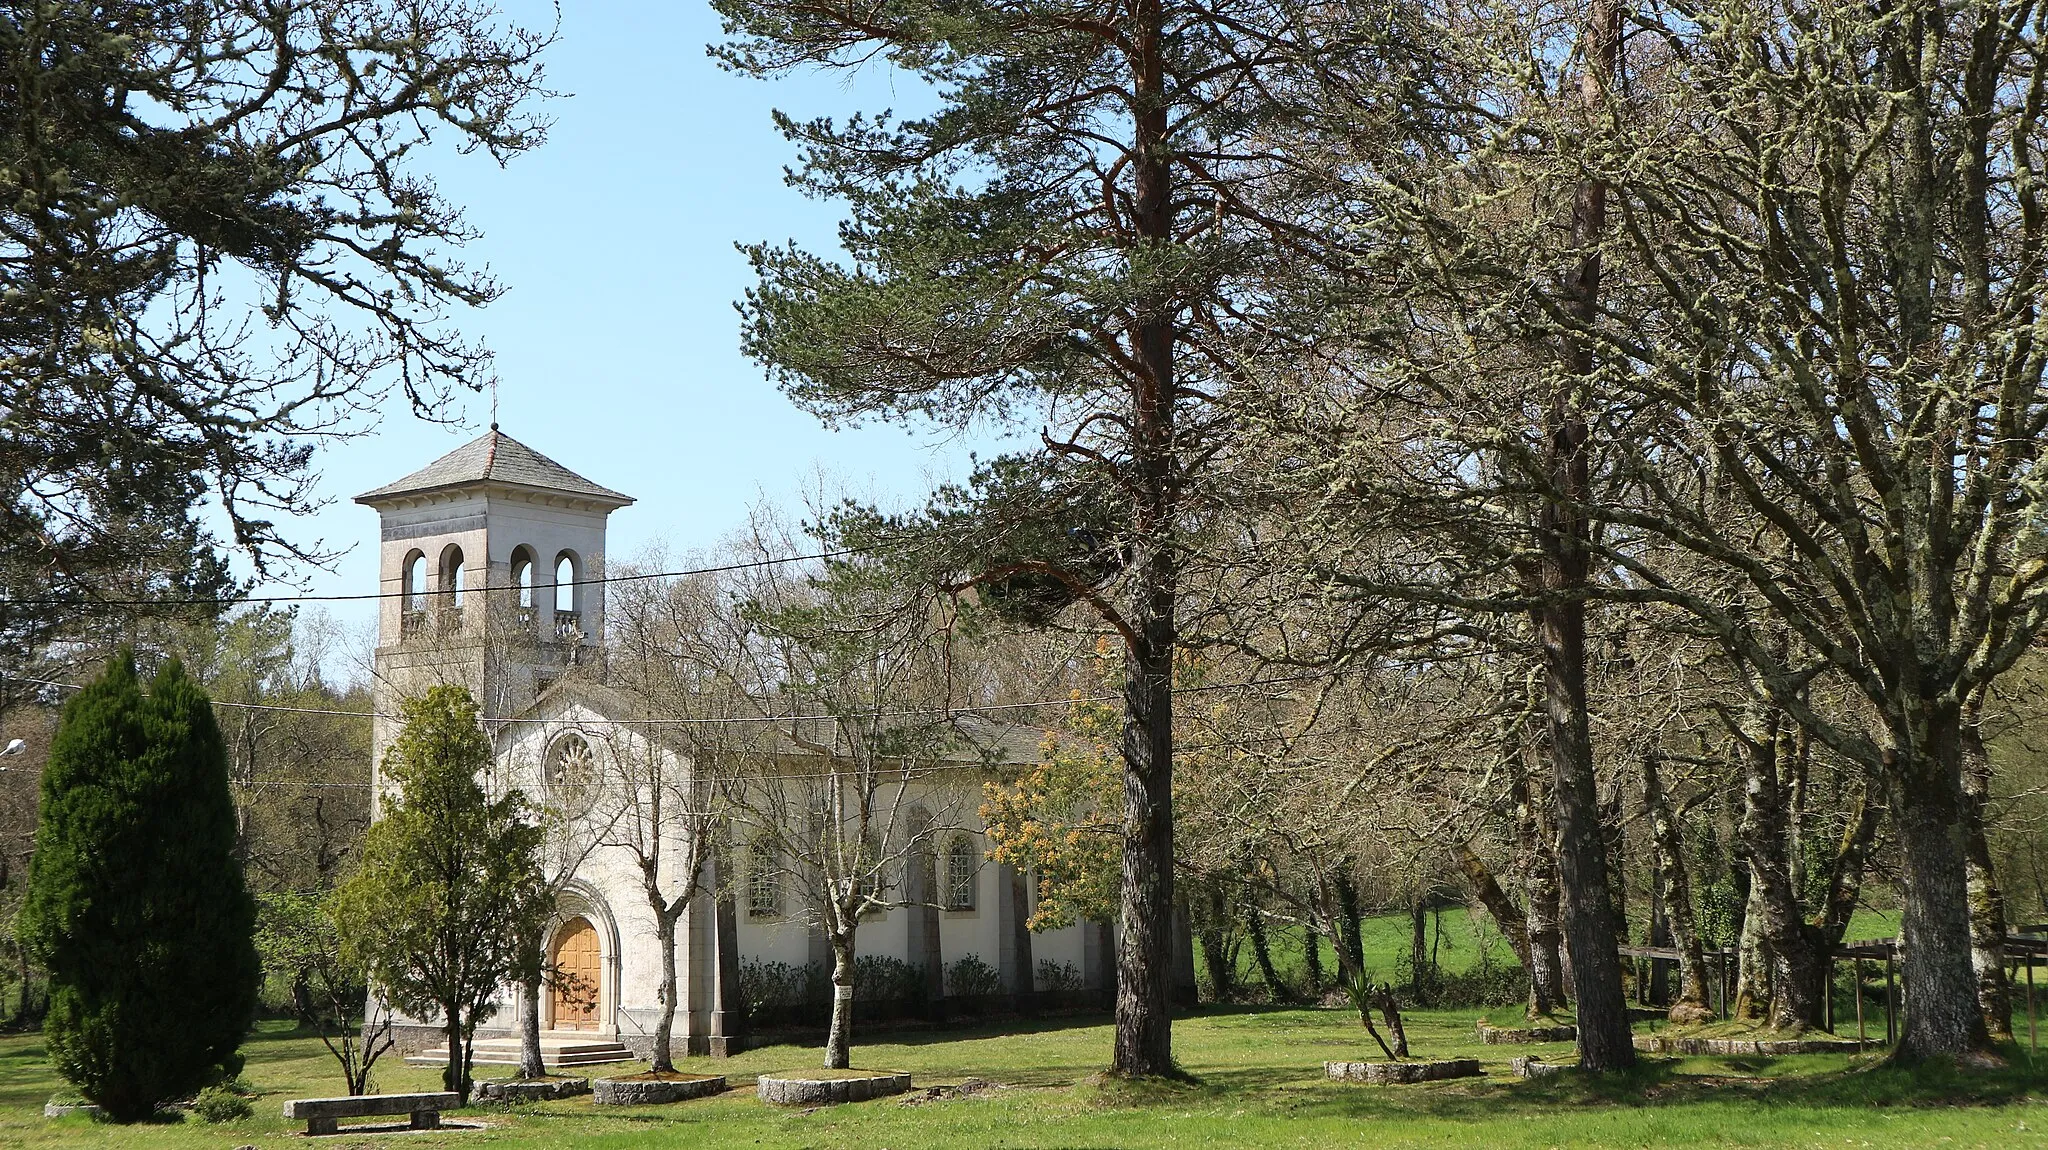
617	344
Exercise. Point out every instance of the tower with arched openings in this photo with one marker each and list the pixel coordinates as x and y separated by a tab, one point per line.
488	564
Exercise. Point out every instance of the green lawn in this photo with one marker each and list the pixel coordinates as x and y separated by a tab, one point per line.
1257	1081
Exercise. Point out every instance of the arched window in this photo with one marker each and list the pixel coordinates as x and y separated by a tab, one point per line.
565	582
764	879
962	864
412	613
416	581
451	575
522	576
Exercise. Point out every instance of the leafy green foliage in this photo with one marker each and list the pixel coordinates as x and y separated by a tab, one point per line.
328	984
1057	818
969	976
218	1104
136	905
450	881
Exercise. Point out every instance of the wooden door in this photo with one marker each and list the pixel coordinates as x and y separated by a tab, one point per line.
575	965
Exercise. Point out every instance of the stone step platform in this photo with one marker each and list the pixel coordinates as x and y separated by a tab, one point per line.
555	1051
1768	1048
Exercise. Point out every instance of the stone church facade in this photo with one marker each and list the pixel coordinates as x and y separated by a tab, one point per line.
494	513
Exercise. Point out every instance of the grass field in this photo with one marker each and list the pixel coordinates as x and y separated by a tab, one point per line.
1256	1081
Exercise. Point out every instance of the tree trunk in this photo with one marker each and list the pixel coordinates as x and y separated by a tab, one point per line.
1590	926
1753	964
1514	926
1845	879
1987	902
1675	891
1262	951
662	1057
1217	954
1311	962
1350	934
1145	956
1797	972
839	1039
454	1076
1942	1014
1421	978
1539	880
530	1064
1144	1021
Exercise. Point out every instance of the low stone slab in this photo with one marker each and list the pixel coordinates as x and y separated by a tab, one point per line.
61	1109
1764	1047
654	1091
1514	1035
531	1090
1530	1066
788	1091
1392	1073
320	1114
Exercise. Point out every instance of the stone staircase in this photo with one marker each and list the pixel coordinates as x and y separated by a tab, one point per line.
556	1050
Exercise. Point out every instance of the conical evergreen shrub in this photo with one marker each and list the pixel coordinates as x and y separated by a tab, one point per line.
136	903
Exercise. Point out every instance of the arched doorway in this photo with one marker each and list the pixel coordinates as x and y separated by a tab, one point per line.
575	976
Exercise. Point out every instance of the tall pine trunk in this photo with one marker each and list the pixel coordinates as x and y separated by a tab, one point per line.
1144	1021
1564	535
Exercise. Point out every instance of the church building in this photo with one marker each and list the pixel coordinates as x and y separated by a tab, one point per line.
494	513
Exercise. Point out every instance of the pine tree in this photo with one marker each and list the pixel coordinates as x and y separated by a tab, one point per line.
1064	245
136	904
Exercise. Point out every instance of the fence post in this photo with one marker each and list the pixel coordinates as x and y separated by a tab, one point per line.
1890	1033
1828	1003
1856	985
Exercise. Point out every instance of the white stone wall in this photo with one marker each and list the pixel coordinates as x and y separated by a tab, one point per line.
610	875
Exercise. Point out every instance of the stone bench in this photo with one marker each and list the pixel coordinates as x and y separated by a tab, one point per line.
320	1114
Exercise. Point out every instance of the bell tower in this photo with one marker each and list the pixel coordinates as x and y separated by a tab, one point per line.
489	564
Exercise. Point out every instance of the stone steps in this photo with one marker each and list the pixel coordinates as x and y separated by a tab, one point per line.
554	1052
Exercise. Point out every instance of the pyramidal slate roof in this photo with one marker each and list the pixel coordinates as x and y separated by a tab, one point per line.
495	457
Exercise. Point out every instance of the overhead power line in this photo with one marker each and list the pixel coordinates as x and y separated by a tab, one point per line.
367	596
727	720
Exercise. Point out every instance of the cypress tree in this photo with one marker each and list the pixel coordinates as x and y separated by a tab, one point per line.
136	904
